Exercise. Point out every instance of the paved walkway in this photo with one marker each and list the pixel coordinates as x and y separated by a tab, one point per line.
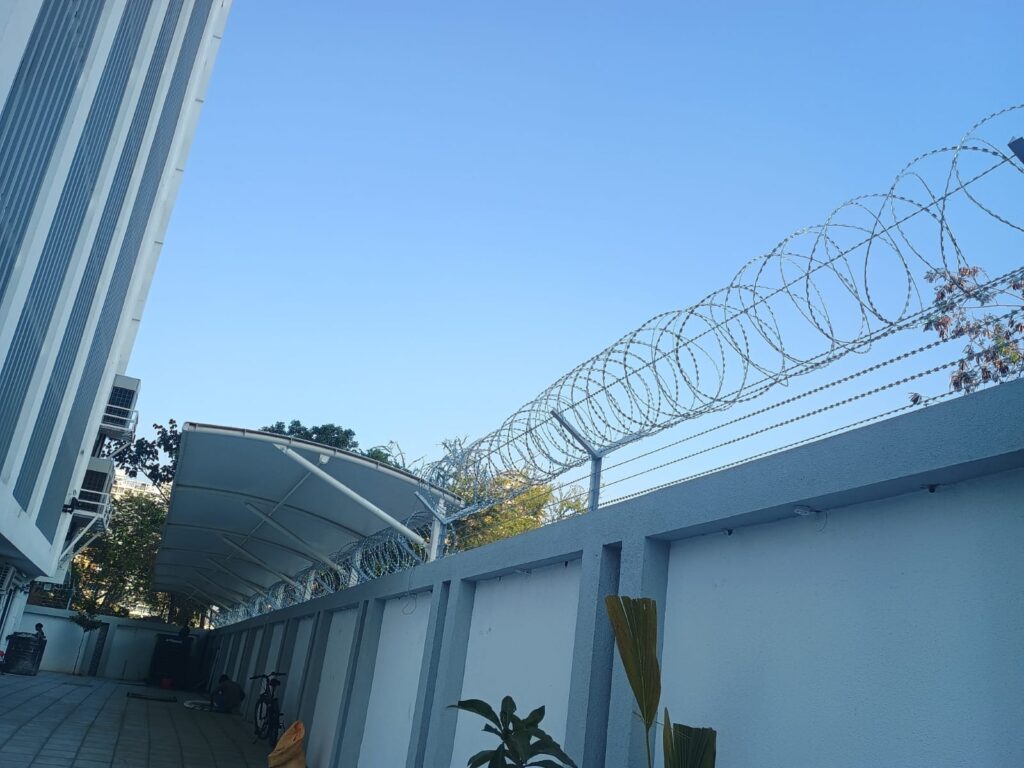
54	720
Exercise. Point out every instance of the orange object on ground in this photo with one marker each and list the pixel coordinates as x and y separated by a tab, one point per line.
289	753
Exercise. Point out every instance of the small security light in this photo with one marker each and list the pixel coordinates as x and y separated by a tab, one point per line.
803	510
1017	147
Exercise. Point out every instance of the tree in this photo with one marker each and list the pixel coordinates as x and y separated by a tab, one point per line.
337	437
325	434
156	459
524	505
115	572
993	350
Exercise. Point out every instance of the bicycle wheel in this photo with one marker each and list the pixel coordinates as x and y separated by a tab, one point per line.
260	717
273	722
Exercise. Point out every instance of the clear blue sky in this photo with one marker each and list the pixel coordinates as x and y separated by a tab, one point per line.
409	218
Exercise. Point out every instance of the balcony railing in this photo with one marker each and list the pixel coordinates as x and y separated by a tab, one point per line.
93	505
119	423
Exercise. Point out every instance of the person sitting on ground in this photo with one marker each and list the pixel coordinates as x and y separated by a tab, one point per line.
227	695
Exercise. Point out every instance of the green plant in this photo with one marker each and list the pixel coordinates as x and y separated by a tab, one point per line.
87	621
635	624
523	743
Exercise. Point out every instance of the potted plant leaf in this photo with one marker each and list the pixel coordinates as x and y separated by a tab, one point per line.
522	742
635	624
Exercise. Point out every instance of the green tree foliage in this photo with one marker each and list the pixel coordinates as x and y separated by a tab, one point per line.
993	345
156	459
325	434
115	572
337	437
524	508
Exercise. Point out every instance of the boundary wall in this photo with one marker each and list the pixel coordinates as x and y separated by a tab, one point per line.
127	643
860	634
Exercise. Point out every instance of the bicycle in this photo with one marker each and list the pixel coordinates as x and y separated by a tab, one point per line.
266	717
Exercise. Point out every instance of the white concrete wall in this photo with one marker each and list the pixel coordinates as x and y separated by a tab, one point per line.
127	651
389	715
887	633
292	683
521	646
274	653
333	677
252	688
63	640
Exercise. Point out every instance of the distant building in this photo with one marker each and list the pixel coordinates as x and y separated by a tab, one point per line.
98	104
124	484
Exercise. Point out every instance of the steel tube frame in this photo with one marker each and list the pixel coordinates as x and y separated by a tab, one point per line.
220	566
258	562
320	557
596	456
344	489
218	601
438	528
226	590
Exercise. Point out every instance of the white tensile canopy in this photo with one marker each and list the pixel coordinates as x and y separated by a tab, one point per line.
249	509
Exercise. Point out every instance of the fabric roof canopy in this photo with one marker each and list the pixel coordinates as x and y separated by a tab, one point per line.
249	509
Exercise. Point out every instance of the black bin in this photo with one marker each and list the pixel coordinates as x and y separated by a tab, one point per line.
170	660
24	652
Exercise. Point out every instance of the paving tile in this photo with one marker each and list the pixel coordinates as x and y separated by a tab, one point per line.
60	721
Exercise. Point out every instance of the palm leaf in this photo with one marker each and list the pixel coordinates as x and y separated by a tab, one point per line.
690	747
671	756
635	624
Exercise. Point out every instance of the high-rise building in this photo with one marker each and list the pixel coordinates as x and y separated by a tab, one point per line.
98	104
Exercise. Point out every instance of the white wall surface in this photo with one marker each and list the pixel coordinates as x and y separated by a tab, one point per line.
235	655
127	651
252	688
333	676
889	633
292	686
130	652
63	641
395	680
273	655
520	644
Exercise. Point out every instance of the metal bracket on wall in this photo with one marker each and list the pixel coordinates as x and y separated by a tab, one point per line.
438	528
594	495
1017	147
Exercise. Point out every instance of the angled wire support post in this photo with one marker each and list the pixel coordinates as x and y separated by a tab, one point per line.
824	292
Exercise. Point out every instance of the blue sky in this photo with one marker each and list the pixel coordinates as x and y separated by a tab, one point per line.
409	218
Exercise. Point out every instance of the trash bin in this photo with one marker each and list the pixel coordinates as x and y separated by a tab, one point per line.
24	653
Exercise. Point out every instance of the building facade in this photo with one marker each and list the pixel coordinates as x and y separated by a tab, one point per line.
98	104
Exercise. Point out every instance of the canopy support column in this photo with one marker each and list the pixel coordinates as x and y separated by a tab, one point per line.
259	588
319	556
345	490
218	601
242	598
257	561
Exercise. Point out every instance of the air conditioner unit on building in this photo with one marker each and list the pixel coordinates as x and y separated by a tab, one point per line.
6	577
119	415
90	510
93	497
